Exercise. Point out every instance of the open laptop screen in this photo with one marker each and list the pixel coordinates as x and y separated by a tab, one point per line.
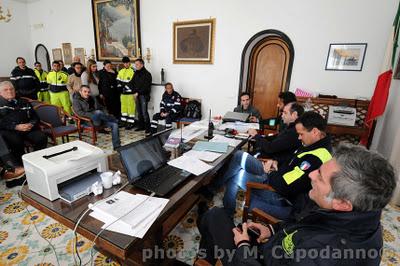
142	157
163	135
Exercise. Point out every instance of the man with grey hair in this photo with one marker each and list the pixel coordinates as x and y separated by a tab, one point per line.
18	122
350	190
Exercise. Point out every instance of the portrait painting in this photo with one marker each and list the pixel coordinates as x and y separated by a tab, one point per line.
117	29
80	52
57	54
193	42
67	51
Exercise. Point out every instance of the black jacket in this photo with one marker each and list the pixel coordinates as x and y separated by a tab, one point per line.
108	84
15	112
171	103
292	179
280	147
24	81
331	235
141	83
84	107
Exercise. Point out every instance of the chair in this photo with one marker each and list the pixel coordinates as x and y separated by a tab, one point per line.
54	125
257	214
186	120
86	125
33	102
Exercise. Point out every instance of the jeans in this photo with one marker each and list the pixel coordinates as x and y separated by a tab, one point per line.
245	168
99	117
143	114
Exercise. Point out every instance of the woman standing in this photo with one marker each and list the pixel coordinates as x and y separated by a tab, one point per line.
108	89
90	78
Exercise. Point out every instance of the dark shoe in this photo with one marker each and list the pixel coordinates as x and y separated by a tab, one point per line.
129	126
15	173
121	124
15	182
140	129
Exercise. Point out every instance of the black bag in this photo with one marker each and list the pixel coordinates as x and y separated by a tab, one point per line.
192	110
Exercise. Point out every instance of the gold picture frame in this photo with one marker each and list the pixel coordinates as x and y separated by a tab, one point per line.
80	52
116	29
67	51
194	41
57	54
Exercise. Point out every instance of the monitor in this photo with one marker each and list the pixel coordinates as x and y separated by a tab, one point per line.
142	157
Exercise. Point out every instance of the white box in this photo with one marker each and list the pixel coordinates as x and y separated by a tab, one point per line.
341	115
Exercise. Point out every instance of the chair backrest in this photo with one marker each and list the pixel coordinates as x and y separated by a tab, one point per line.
50	114
36	103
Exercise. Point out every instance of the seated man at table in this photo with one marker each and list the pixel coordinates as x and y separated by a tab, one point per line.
284	98
350	190
281	146
18	122
170	108
245	107
289	178
88	106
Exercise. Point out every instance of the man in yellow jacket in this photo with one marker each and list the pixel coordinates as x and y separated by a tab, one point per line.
59	94
43	93
128	104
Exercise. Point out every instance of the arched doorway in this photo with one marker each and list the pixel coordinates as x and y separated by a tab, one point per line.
42	56
266	67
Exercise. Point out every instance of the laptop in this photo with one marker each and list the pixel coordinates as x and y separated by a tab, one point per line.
163	135
235	116
145	162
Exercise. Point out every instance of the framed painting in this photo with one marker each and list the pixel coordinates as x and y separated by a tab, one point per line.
67	51
80	52
346	56
193	42
116	29
57	54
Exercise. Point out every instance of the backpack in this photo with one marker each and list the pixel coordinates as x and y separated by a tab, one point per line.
192	110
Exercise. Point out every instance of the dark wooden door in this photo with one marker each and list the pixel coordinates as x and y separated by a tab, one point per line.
269	62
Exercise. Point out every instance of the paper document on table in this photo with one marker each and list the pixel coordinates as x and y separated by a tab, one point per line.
129	214
188	133
239	126
190	164
206	156
231	142
221	147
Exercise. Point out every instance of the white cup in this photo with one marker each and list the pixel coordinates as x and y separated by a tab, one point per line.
106	179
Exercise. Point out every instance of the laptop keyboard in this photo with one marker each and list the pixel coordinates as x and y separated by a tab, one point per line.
154	180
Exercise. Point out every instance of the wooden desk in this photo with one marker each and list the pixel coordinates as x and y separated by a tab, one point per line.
126	248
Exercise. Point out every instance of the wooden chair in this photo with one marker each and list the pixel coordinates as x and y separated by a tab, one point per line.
256	214
85	124
53	124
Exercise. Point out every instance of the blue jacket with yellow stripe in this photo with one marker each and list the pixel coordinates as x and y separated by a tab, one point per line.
292	179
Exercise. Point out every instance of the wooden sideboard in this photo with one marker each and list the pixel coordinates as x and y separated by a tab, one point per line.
338	132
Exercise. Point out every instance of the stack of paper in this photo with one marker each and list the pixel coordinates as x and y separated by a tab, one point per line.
127	213
221	147
231	142
190	164
206	156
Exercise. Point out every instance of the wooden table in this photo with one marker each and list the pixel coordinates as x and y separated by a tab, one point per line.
127	249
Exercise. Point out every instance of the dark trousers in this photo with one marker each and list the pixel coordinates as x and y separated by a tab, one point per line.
171	117
6	158
15	140
143	114
113	104
216	235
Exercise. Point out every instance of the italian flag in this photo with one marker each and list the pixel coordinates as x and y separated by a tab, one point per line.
379	99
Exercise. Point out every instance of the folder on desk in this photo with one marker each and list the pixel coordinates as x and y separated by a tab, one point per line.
221	147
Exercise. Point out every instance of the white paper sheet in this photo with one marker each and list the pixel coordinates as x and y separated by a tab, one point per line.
206	156
231	142
190	164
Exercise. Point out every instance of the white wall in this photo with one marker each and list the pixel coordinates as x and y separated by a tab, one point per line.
14	37
311	25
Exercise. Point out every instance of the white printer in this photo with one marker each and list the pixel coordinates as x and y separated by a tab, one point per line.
48	169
